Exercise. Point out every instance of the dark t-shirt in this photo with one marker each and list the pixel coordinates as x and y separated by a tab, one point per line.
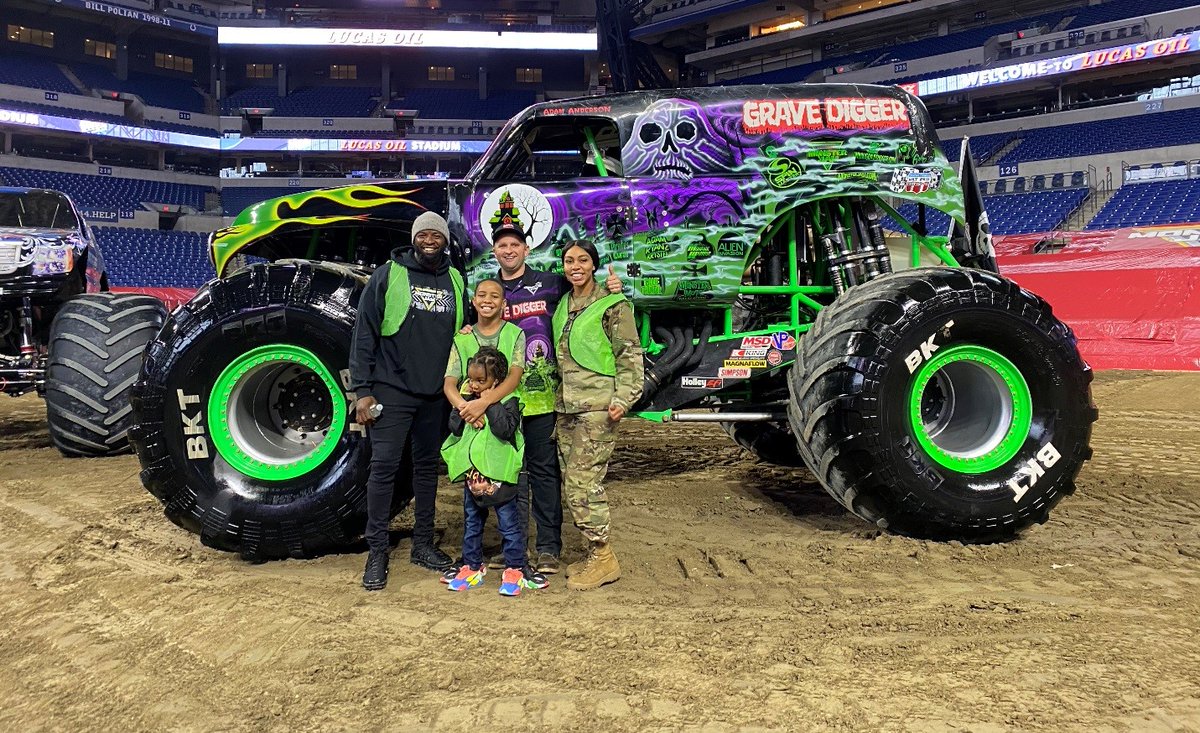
414	358
529	302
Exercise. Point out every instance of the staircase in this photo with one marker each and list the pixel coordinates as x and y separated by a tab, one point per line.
83	88
1078	219
1003	150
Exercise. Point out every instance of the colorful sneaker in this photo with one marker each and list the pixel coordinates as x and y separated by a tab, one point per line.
533	580
511	582
466	578
452	573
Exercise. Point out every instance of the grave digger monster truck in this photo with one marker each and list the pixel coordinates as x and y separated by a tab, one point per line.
942	402
61	333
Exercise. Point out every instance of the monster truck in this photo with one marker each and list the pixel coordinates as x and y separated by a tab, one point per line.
940	402
61	333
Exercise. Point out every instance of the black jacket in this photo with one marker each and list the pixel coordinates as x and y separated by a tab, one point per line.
412	360
503	418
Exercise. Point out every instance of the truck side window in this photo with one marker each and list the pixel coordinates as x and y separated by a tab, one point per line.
559	149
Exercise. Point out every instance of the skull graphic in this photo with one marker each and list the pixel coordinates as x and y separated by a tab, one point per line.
674	139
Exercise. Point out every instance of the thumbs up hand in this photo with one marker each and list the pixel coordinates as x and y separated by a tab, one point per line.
613	282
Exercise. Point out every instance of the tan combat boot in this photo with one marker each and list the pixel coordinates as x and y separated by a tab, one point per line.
602	568
576	568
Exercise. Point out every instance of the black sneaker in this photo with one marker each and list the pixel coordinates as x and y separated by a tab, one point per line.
376	573
429	556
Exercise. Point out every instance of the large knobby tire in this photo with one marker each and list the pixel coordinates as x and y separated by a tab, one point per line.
96	345
769	442
943	403
245	428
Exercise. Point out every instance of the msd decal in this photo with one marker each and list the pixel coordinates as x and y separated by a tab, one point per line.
814	115
756	342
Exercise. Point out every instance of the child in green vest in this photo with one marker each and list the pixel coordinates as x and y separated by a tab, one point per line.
486	456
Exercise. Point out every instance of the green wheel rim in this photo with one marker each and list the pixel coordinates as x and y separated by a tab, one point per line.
276	412
970	409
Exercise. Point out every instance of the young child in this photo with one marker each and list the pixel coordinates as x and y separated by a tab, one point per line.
486	455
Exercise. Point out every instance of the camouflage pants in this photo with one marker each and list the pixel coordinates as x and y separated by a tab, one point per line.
585	443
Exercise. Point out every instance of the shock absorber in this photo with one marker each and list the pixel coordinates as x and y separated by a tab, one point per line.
28	350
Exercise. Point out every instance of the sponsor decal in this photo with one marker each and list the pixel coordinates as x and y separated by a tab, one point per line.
1033	469
774	358
652	285
783	341
731	248
521	206
1185	236
694	290
748	353
699	251
834	114
656	248
701	382
695	270
99	214
734	372
756	342
912	180
784	172
747	363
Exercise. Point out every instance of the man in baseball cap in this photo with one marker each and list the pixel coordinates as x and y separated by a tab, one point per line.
530	297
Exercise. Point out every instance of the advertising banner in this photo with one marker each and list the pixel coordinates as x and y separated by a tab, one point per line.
393	38
1059	65
114	10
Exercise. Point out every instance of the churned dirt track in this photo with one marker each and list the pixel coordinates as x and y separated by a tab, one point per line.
750	601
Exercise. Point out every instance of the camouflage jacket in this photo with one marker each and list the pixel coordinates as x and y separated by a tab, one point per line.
582	390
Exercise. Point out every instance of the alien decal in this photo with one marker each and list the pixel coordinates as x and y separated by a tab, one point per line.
674	139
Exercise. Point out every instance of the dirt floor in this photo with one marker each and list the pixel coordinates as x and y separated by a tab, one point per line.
750	601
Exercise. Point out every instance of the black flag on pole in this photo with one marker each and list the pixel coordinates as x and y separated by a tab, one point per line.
972	246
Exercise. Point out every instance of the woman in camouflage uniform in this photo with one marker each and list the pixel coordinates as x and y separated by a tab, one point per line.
600	363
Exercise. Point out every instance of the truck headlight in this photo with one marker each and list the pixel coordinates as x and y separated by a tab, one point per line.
53	260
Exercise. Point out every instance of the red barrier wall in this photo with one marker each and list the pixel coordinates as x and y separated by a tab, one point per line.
1132	296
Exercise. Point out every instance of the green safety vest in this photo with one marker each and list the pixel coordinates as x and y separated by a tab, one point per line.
499	460
468	346
398	298
588	344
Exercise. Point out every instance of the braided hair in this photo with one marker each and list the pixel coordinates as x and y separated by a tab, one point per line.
493	362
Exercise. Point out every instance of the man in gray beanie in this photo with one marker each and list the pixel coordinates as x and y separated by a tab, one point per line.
407	317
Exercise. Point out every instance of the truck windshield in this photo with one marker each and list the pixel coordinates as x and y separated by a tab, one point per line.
36	210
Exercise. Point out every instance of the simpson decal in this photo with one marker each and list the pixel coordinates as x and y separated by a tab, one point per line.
734	373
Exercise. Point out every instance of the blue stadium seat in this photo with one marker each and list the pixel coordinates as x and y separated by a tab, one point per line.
24	70
109	192
1157	202
1014	213
157	91
1162	129
150	258
334	101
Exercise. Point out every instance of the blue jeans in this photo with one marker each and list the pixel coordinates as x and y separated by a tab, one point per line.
508	516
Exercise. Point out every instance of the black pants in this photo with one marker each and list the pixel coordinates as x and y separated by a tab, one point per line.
404	415
542	479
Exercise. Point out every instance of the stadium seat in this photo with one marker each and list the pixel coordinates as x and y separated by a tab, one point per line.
1156	202
109	192
151	258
